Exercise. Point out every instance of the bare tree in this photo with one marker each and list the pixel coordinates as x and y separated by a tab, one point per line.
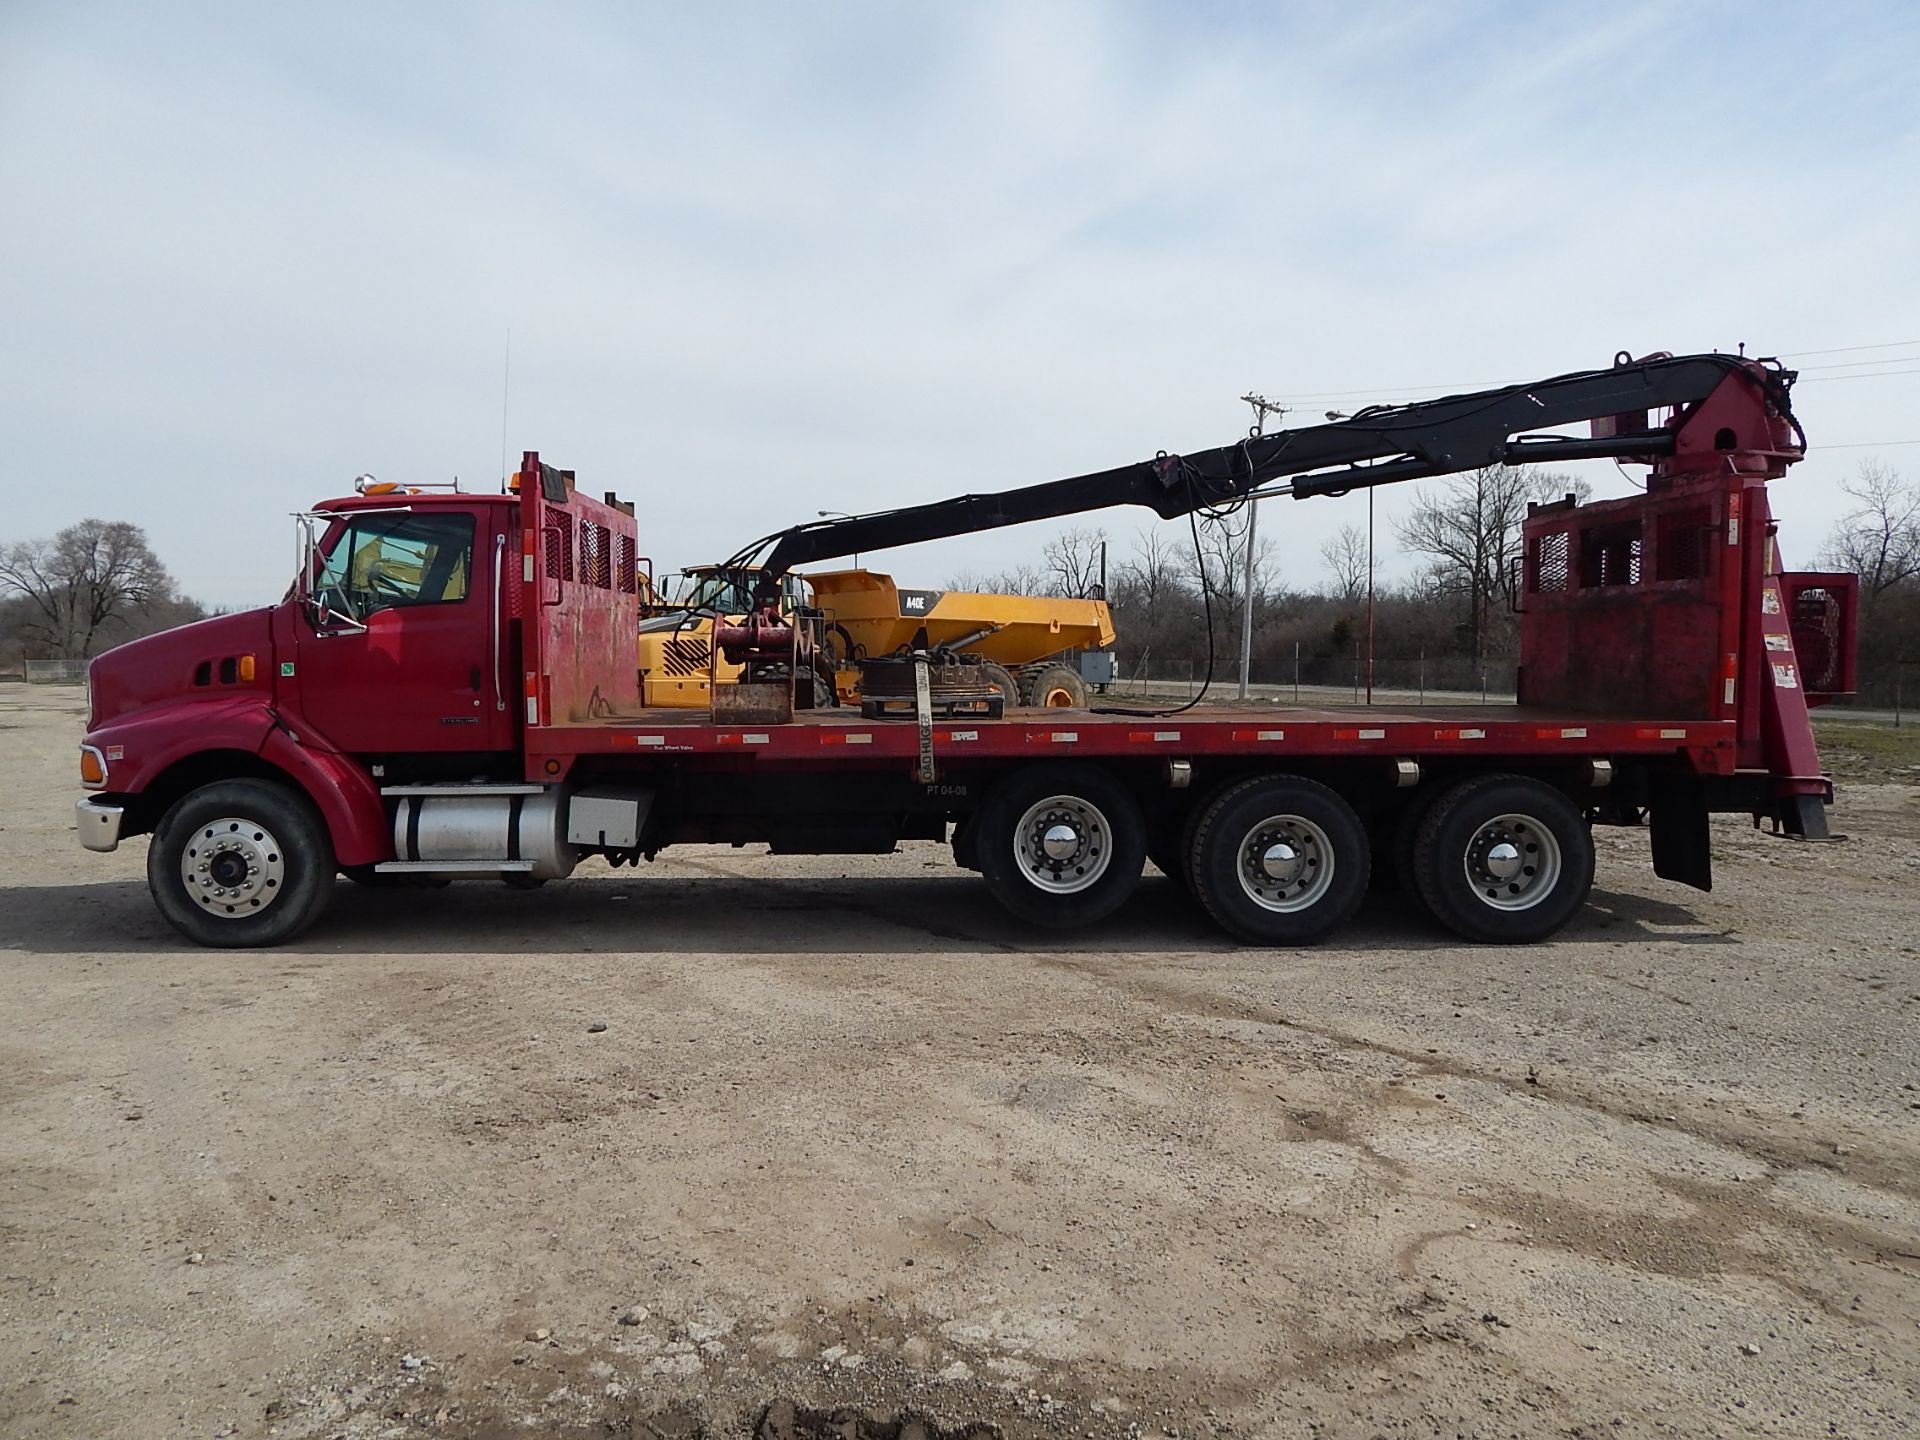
1016	580
1470	529
92	585
1345	554
1879	539
1221	563
1072	559
1152	576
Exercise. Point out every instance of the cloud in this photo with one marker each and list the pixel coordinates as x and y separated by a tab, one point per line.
758	262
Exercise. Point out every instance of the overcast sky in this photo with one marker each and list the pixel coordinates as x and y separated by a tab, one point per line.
760	261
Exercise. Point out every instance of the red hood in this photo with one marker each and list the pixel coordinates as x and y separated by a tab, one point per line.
198	660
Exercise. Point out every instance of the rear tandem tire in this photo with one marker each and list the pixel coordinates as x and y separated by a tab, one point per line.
240	864
1060	845
1280	860
1503	858
1054	687
1001	679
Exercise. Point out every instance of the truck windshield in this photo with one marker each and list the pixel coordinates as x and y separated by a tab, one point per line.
719	592
382	561
731	592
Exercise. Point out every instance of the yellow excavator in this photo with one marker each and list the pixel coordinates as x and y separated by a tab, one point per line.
1035	650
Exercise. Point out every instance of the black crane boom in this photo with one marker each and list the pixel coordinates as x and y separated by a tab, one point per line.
1377	446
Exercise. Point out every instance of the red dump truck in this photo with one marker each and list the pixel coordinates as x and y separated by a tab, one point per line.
449	690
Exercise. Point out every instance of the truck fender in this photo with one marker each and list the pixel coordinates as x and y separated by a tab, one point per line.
144	745
346	795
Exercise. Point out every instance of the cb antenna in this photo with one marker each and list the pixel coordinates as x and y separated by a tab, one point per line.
506	380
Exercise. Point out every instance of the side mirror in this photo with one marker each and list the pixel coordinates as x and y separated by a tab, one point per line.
328	610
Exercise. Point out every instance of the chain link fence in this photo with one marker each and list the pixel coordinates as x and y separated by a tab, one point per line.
1892	686
1397	678
54	672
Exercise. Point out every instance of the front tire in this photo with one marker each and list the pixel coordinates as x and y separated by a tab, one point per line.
1503	859
1279	860
241	863
1060	845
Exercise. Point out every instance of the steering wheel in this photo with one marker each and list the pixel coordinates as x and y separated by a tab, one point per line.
381	584
334	600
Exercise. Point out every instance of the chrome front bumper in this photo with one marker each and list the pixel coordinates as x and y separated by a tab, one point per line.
98	823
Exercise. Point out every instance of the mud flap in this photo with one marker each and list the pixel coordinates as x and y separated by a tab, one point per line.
1682	847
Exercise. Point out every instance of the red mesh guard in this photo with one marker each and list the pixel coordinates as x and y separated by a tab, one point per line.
1821	616
625	571
582	627
558	532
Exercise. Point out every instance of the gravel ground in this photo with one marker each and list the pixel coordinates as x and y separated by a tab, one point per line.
851	1138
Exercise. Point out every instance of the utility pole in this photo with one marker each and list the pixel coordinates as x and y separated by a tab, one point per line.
1262	407
840	515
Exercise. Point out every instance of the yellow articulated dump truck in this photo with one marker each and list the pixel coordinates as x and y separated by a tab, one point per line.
1036	650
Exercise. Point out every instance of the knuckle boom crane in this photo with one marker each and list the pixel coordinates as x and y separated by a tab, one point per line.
1378	446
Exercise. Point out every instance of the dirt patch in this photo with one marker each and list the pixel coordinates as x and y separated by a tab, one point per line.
855	1155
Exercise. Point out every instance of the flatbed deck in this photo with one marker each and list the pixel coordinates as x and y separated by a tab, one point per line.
1358	730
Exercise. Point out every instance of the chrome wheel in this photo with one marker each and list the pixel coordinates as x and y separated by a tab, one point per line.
1286	863
1063	844
1513	862
233	867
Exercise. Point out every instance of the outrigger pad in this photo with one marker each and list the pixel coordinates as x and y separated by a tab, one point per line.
1805	817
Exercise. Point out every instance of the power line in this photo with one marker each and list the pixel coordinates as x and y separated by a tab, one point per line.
1850	349
1876	375
1398	389
1864	364
1431	386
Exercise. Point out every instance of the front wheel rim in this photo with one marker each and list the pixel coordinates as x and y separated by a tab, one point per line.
233	867
1063	844
1513	862
1285	864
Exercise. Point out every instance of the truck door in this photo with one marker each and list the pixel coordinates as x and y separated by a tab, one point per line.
398	652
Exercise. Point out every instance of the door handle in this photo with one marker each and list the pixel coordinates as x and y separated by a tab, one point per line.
473	678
